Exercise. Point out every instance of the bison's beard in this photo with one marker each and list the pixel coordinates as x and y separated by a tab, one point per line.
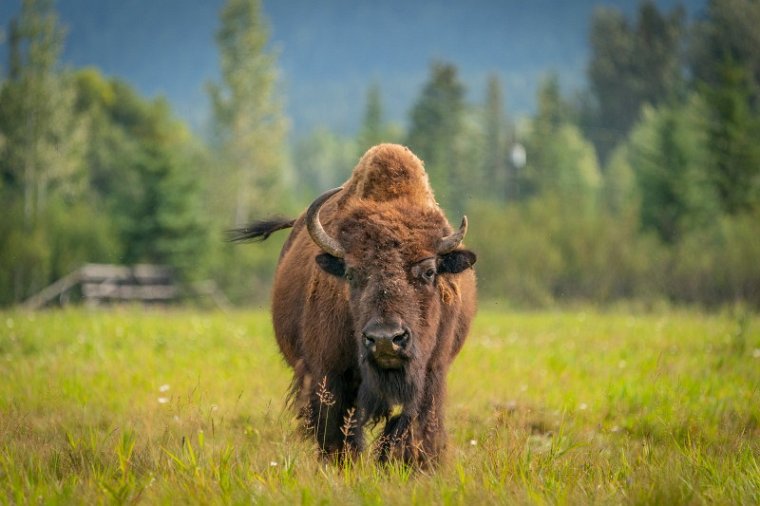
383	389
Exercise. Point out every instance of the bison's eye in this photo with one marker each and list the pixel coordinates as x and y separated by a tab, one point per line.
349	275
425	271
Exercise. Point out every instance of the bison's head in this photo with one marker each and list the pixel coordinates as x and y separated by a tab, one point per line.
399	262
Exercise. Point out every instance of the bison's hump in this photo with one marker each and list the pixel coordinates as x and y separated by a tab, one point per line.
390	171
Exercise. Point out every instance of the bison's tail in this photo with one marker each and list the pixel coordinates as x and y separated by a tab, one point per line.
259	230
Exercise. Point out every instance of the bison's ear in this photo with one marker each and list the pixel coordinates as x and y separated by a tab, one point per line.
456	261
331	265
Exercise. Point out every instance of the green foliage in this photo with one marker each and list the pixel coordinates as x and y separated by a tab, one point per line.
734	127
76	234
43	140
145	169
92	171
374	129
631	65
727	37
620	192
245	271
496	172
726	69
668	151
41	153
520	262
543	250
64	237
23	254
544	407
323	160
436	124
248	117
249	174
718	262
560	160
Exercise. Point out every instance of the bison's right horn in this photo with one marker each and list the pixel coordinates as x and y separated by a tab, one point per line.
450	242
317	232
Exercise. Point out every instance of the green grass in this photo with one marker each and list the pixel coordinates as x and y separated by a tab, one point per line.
555	407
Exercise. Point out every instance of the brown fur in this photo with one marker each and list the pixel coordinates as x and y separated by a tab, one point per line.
387	220
387	172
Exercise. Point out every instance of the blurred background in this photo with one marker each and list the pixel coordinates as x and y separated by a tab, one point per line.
604	151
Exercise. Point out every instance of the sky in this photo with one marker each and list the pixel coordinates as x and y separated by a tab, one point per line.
331	51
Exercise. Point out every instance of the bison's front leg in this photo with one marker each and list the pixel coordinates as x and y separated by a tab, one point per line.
397	434
417	435
331	416
431	420
400	440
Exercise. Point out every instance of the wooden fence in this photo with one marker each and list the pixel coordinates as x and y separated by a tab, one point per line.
104	283
99	284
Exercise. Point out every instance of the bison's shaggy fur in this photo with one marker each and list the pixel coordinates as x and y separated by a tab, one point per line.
370	333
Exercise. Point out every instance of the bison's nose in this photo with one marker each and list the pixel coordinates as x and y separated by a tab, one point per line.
385	338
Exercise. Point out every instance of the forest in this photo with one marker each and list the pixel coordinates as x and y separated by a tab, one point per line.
642	188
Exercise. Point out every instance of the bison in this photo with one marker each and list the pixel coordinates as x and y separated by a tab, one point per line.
372	299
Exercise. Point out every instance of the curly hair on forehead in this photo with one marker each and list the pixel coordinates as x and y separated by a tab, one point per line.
412	230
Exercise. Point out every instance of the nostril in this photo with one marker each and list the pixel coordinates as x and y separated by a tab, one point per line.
385	337
401	339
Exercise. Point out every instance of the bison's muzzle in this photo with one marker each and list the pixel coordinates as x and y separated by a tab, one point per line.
386	344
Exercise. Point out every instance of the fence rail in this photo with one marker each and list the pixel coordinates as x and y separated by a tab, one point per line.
104	283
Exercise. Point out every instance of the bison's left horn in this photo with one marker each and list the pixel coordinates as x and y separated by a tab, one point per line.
317	232
450	242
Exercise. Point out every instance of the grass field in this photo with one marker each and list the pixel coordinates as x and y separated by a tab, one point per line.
135	406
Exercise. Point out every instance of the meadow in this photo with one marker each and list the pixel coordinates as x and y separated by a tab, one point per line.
557	407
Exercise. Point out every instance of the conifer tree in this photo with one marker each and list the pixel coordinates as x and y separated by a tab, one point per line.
560	160
41	149
248	115
43	143
726	68
373	129
496	170
632	64
435	133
